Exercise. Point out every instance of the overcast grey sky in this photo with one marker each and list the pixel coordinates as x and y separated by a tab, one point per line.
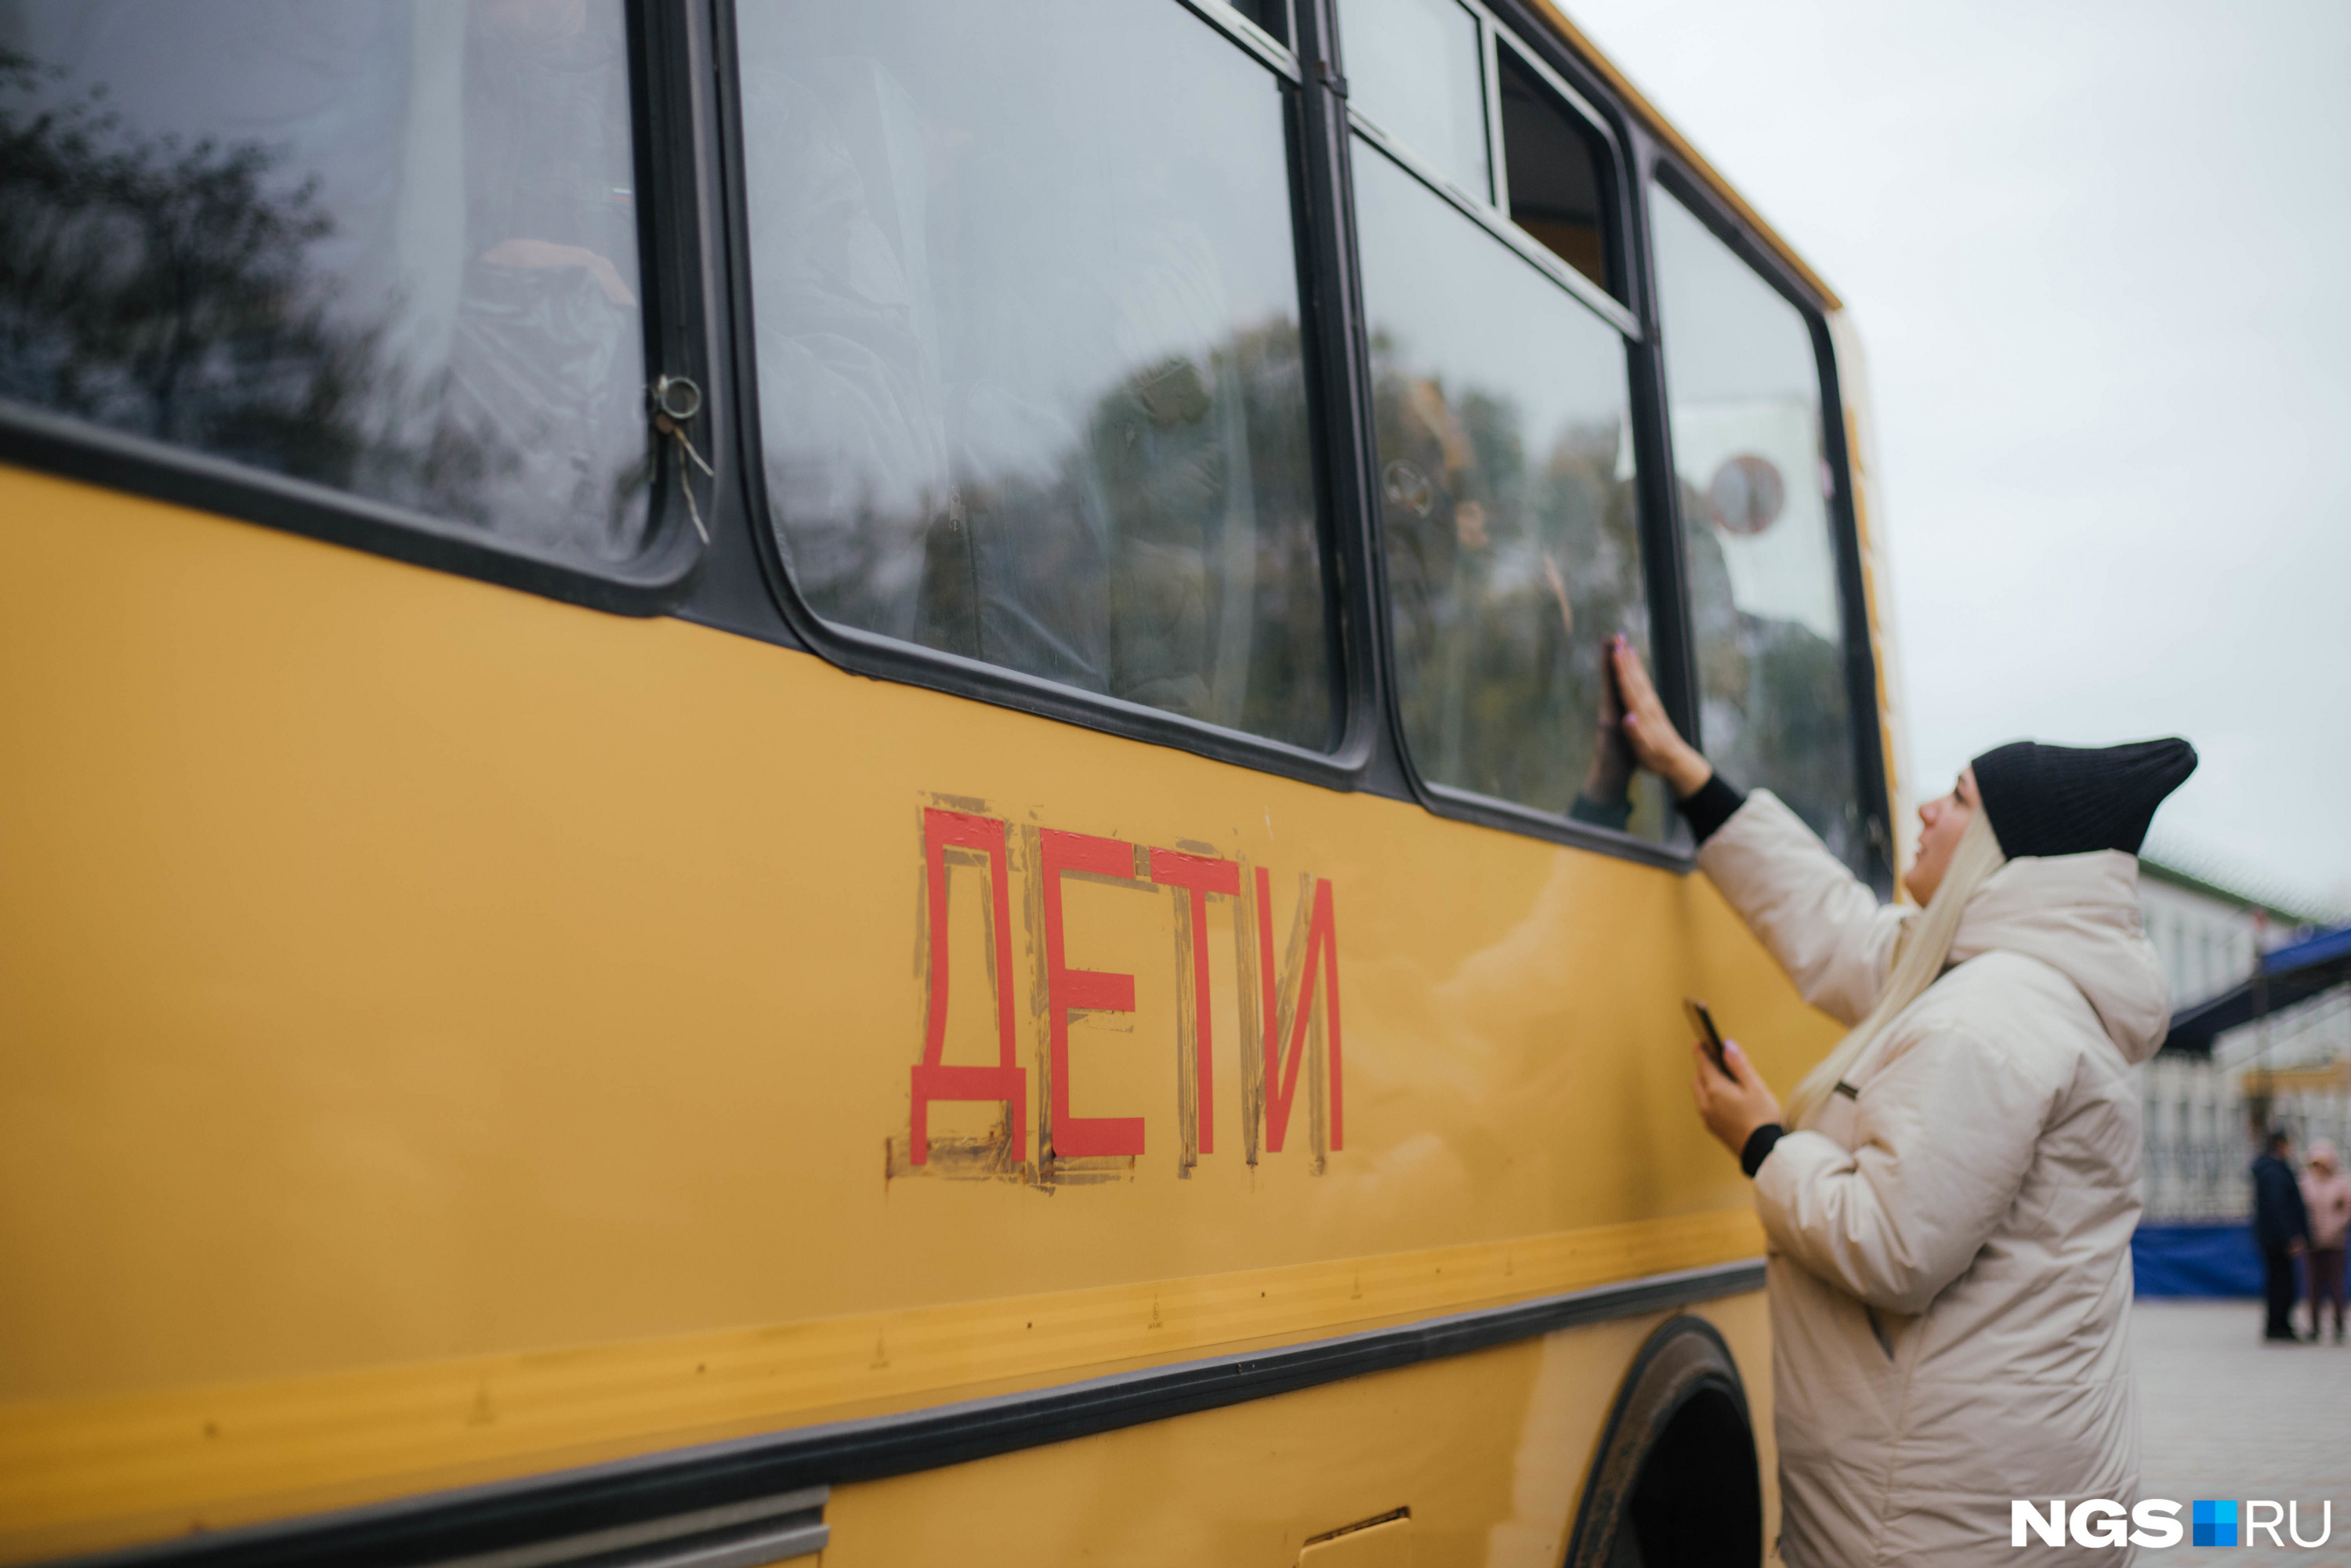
2096	253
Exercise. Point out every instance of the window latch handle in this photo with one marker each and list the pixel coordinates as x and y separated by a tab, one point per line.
677	403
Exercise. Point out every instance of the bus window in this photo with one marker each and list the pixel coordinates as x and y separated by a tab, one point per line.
1744	389
1413	69
1506	507
1554	162
387	248
1030	380
1272	17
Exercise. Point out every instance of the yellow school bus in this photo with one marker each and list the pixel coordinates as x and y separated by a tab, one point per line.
830	781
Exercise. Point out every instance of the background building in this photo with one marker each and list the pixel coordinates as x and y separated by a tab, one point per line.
2206	1102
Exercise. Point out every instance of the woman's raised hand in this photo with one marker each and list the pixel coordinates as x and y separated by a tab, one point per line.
1656	744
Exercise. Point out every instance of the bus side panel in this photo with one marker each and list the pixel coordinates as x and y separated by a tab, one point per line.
1487	1451
410	985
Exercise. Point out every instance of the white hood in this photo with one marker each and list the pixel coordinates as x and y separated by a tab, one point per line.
2080	915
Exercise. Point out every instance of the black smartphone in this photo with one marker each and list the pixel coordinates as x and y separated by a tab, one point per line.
1702	1021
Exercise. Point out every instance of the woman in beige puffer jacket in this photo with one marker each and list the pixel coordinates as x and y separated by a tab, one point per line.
1950	1203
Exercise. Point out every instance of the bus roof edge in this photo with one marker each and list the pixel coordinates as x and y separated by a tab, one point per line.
1664	130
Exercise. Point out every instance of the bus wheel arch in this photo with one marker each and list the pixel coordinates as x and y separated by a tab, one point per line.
1676	1482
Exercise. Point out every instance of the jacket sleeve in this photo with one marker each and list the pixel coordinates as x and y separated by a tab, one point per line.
2314	1204
1824	925
1943	1137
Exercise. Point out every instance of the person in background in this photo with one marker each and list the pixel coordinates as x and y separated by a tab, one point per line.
2280	1229
1947	1197
2327	1203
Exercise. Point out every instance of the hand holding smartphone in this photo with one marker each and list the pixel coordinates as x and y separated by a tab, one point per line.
1702	1021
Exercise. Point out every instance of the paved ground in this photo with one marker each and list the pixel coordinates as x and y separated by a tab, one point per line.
2224	1415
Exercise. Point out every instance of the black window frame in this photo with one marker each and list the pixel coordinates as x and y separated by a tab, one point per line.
1627	311
1355	693
664	118
695	285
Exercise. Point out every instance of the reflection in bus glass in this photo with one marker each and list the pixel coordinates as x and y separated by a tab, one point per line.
1746	407
1415	67
1506	507
1029	369
386	246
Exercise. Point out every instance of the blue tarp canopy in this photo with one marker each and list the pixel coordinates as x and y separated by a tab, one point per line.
2288	976
2196	1260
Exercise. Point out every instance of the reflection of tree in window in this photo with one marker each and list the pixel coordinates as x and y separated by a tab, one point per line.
1158	560
159	288
1507	508
381	246
1029	398
1507	575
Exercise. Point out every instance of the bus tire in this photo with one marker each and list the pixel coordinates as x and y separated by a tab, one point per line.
1676	1484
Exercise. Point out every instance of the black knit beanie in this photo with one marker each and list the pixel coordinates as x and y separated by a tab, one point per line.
2071	800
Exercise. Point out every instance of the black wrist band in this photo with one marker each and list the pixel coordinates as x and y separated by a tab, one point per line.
1711	806
1760	1143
